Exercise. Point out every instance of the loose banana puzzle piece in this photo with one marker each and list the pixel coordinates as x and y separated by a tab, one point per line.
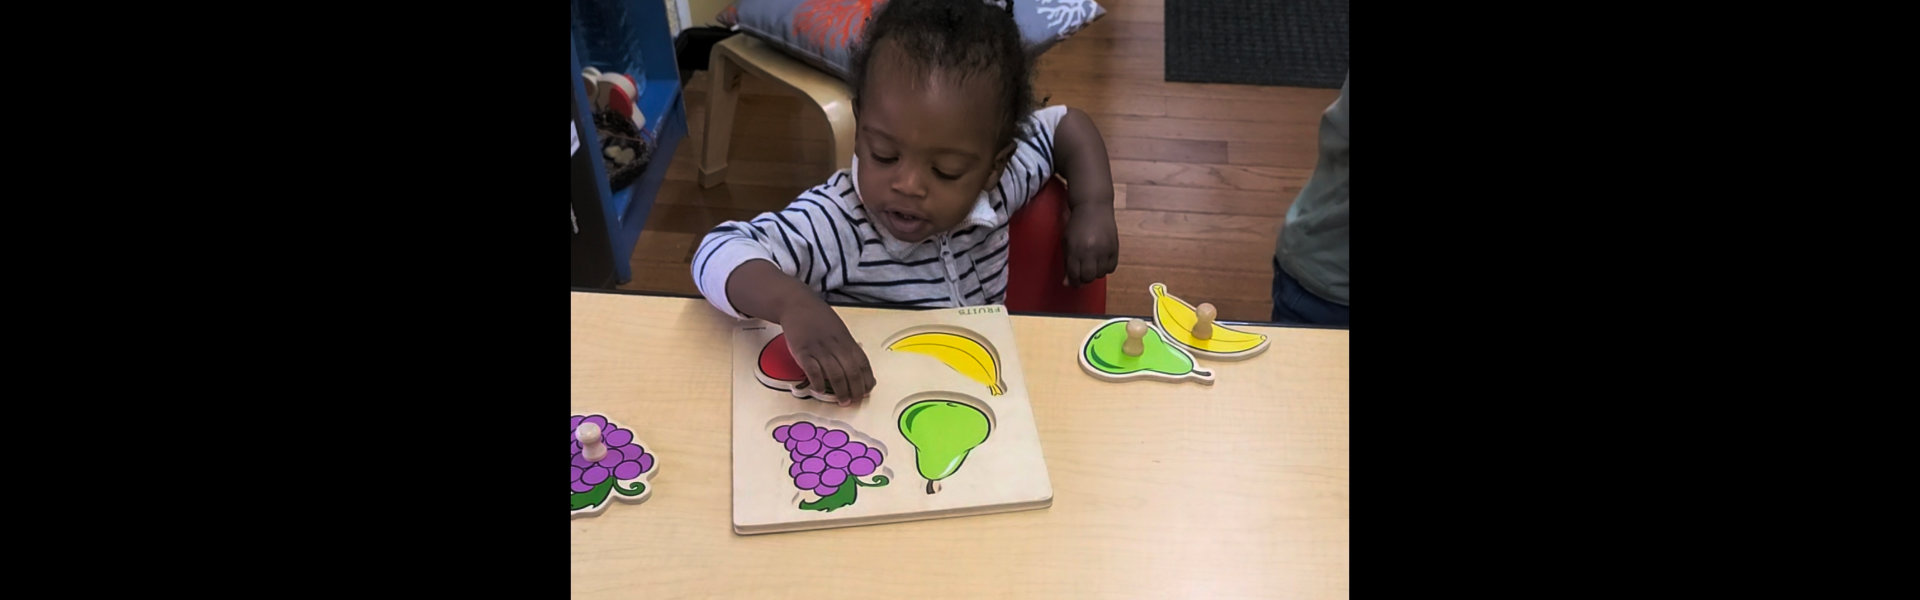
1194	330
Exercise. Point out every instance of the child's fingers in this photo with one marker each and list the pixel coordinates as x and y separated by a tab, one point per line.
871	380
1073	269
837	375
859	373
1085	273
816	379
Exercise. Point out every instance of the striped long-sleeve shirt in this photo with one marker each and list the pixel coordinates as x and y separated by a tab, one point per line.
825	240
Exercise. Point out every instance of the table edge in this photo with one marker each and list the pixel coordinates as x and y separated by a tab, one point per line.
1017	313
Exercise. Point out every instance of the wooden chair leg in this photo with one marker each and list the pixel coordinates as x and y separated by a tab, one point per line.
742	55
721	100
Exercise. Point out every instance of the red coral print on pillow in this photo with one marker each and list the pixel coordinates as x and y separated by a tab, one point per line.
833	23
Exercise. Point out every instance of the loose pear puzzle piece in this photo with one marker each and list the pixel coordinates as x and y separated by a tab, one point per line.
608	462
1126	349
1194	330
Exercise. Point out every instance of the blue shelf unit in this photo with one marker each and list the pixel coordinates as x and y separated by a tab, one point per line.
632	37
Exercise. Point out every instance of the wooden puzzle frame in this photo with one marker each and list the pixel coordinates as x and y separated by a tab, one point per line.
1006	471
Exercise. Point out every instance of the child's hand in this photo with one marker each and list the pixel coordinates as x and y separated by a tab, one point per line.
1093	243
819	342
824	349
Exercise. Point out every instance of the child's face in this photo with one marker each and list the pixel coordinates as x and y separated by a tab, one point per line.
925	146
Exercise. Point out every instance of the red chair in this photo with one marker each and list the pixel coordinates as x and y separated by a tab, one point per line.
1037	259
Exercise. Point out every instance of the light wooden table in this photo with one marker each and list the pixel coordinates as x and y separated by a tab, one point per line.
1160	490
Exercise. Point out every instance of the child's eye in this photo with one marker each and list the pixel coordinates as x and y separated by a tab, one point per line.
938	173
885	161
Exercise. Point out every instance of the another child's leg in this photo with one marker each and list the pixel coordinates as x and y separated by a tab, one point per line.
1294	305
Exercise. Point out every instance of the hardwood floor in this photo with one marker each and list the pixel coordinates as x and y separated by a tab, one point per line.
1203	173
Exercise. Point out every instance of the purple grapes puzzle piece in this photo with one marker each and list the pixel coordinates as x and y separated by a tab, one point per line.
624	472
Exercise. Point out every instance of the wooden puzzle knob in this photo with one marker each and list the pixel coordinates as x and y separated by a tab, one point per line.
1203	328
589	436
1136	329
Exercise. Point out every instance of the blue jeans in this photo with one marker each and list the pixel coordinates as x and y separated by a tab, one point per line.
1294	305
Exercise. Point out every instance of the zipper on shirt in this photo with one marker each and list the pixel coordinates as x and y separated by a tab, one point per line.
953	277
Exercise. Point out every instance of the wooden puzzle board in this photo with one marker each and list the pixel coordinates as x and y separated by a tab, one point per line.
1005	472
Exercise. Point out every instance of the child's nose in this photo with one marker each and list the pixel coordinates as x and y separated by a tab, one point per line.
909	182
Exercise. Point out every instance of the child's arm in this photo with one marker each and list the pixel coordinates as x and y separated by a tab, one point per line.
775	267
1064	140
1093	240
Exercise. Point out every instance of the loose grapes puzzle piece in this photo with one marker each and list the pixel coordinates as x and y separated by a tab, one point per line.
962	420
608	463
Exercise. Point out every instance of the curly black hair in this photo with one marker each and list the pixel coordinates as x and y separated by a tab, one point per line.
964	38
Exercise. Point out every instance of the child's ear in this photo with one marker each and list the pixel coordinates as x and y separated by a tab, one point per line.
1000	161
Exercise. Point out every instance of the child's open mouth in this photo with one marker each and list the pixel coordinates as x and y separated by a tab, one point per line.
906	226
